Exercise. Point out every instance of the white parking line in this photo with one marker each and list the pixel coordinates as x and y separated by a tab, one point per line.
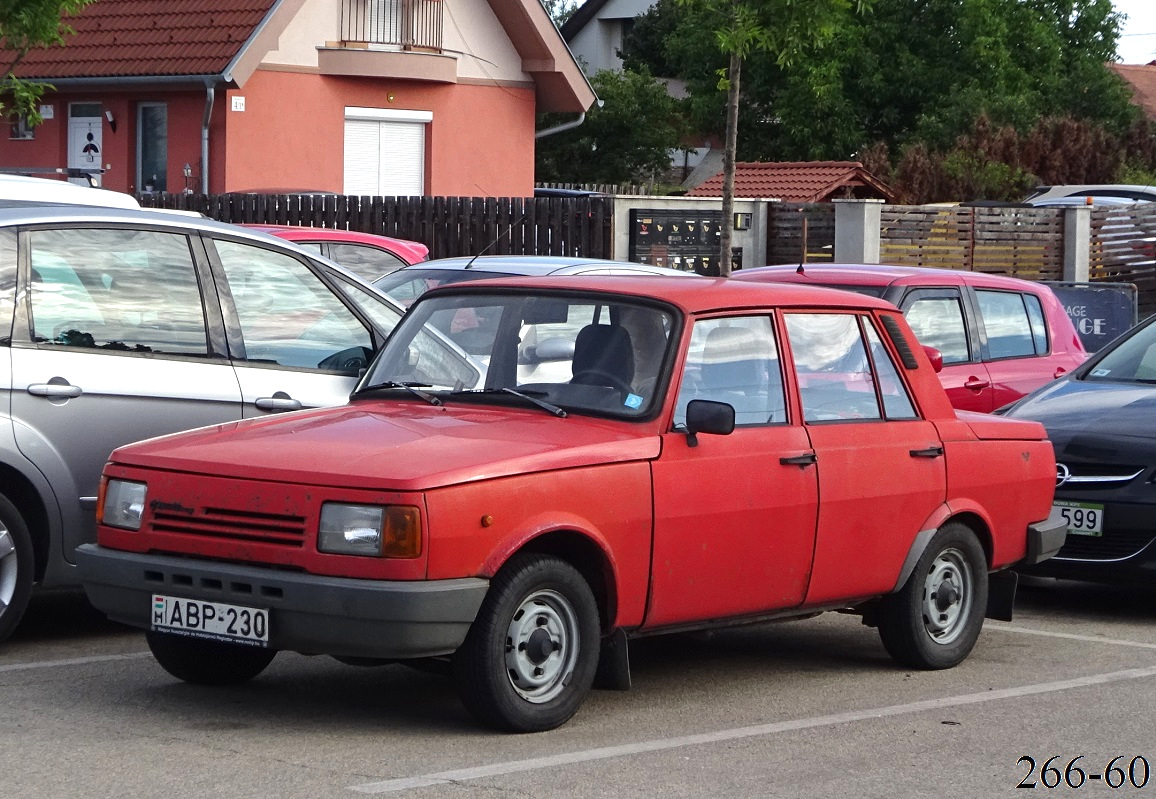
1093	639
642	747
51	664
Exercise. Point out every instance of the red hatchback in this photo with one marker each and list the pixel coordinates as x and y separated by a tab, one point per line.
364	254
1000	337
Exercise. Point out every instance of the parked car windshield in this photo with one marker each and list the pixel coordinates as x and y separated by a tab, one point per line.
585	353
1133	360
406	285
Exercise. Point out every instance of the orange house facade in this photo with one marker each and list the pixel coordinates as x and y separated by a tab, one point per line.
369	97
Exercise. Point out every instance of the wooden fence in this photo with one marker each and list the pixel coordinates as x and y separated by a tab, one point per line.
1124	249
449	226
1022	242
800	233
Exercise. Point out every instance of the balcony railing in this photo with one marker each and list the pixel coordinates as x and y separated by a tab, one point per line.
404	24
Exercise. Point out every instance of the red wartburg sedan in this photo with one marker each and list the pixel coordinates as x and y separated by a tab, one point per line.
535	470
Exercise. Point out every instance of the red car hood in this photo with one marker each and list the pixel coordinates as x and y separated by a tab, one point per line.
394	446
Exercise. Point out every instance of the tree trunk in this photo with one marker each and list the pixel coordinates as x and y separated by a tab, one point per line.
732	136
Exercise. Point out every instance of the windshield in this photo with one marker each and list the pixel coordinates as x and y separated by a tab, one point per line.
406	285
585	353
1132	360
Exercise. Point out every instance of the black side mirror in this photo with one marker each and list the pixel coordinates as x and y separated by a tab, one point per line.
708	416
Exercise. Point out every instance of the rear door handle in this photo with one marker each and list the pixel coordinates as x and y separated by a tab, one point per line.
929	452
800	460
975	384
1060	372
55	390
280	401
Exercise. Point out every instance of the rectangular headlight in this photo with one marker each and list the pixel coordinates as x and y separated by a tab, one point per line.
392	531
123	504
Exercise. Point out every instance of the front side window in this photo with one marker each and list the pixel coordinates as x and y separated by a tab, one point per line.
937	321
734	360
602	355
1132	360
118	290
368	263
1005	318
287	315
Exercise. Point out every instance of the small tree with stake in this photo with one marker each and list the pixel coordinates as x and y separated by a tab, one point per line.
25	24
783	29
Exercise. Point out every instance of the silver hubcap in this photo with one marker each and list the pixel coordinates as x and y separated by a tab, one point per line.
947	596
8	566
542	646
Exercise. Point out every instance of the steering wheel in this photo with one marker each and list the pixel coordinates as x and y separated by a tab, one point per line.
597	377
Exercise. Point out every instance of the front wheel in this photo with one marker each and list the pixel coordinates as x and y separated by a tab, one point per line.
16	567
529	658
203	662
934	620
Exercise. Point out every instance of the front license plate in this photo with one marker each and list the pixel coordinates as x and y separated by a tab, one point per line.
1083	518
215	620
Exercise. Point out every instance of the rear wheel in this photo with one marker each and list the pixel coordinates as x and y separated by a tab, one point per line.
204	662
529	658
17	566
934	620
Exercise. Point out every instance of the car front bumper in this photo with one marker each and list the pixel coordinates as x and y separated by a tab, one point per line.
307	613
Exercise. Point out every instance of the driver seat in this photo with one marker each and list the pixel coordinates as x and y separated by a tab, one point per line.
606	349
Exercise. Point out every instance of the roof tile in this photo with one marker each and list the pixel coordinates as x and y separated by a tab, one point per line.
795	181
121	38
1142	79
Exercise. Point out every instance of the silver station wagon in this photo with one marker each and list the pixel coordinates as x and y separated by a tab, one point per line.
118	325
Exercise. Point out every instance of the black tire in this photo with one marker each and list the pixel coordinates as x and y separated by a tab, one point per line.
934	620
203	662
530	656
17	567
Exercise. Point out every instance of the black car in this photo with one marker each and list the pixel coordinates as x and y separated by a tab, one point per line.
1101	419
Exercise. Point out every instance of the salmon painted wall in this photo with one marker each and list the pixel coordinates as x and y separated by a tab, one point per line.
291	133
185	109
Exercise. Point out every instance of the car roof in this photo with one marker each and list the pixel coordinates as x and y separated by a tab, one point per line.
881	275
693	296
20	213
27	189
539	265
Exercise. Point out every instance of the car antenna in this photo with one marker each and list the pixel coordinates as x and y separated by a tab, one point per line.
505	232
800	271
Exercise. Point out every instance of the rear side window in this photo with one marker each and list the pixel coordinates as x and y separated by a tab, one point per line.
1009	329
1036	319
118	290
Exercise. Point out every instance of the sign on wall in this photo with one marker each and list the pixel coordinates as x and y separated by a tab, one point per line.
1100	311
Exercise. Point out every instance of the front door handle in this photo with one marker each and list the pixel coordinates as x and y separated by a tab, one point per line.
55	390
800	460
975	384
280	401
929	452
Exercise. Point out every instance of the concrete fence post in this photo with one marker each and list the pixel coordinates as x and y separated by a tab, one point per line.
857	231
1077	243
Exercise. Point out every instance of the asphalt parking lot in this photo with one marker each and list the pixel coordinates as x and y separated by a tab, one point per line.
810	708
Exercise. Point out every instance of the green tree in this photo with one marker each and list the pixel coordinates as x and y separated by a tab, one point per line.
626	140
25	24
560	10
784	30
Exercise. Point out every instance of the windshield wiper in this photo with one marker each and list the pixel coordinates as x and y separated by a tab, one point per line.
546	406
408	385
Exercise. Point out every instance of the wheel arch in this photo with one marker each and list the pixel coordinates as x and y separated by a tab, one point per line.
586	554
23	494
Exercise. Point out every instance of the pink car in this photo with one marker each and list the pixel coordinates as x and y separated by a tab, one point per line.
366	255
1000	337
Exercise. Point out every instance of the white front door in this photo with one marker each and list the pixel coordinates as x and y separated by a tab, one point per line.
84	139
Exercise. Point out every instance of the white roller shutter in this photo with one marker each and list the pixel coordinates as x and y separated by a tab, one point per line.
385	151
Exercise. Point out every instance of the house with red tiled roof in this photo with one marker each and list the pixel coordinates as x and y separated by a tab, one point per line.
800	182
1142	80
435	97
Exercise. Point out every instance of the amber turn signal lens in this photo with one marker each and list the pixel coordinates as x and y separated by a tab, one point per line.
402	537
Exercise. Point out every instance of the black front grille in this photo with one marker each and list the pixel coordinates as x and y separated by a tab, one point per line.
1111	546
234	525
